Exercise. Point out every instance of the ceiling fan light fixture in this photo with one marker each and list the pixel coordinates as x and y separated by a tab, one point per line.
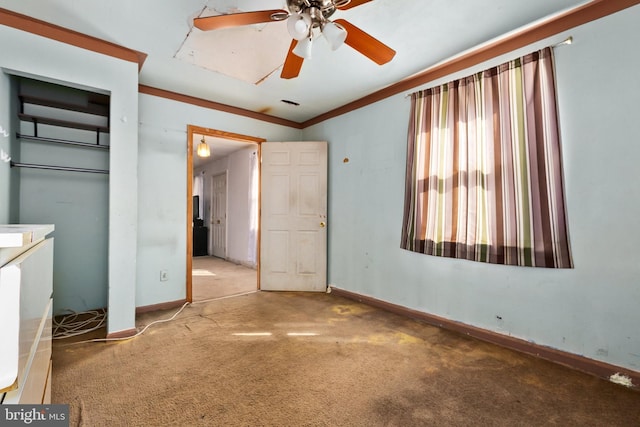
203	149
299	25
303	48
335	34
307	19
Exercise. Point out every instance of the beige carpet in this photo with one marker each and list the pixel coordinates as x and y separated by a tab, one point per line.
296	359
214	278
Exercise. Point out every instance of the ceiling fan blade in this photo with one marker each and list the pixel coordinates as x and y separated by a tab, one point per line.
367	45
352	4
293	63
235	19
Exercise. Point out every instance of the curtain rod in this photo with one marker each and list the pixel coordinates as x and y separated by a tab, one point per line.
567	41
57	168
62	141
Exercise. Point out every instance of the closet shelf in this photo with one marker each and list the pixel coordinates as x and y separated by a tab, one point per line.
99	107
62	123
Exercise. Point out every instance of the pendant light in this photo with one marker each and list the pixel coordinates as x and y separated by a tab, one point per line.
203	148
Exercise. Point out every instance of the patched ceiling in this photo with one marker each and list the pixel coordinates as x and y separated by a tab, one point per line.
250	53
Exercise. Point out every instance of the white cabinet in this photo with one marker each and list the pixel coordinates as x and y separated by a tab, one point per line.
26	304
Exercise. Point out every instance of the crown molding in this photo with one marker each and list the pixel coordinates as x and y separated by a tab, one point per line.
586	13
216	106
74	38
581	15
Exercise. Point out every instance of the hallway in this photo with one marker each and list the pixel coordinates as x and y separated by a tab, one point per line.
214	278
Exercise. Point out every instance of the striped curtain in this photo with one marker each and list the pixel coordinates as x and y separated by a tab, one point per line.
484	170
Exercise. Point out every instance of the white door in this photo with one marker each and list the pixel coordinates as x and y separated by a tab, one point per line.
219	215
293	232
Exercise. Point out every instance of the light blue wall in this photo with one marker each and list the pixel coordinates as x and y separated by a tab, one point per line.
591	310
163	188
30	55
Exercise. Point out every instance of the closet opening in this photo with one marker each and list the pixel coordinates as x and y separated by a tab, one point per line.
60	176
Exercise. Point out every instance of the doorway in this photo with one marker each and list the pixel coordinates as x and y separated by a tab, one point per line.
227	186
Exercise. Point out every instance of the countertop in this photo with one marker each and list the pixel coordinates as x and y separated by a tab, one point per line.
17	235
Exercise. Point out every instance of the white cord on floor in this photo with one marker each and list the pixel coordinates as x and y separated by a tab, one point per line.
225	297
147	326
132	336
69	326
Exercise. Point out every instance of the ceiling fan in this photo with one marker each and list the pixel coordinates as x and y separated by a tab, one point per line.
307	19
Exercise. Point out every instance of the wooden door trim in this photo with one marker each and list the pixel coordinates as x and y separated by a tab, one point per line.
191	130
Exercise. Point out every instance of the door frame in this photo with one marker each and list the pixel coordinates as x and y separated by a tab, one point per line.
191	130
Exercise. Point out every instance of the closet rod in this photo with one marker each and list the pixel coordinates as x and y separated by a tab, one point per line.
62	141
57	168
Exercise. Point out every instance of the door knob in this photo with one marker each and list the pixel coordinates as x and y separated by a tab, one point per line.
322	224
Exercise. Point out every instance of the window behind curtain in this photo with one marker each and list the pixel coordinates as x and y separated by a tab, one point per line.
484	172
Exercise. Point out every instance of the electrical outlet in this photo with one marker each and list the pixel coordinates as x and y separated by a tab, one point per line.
164	275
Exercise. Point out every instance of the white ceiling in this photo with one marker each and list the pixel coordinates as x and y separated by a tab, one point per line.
423	33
